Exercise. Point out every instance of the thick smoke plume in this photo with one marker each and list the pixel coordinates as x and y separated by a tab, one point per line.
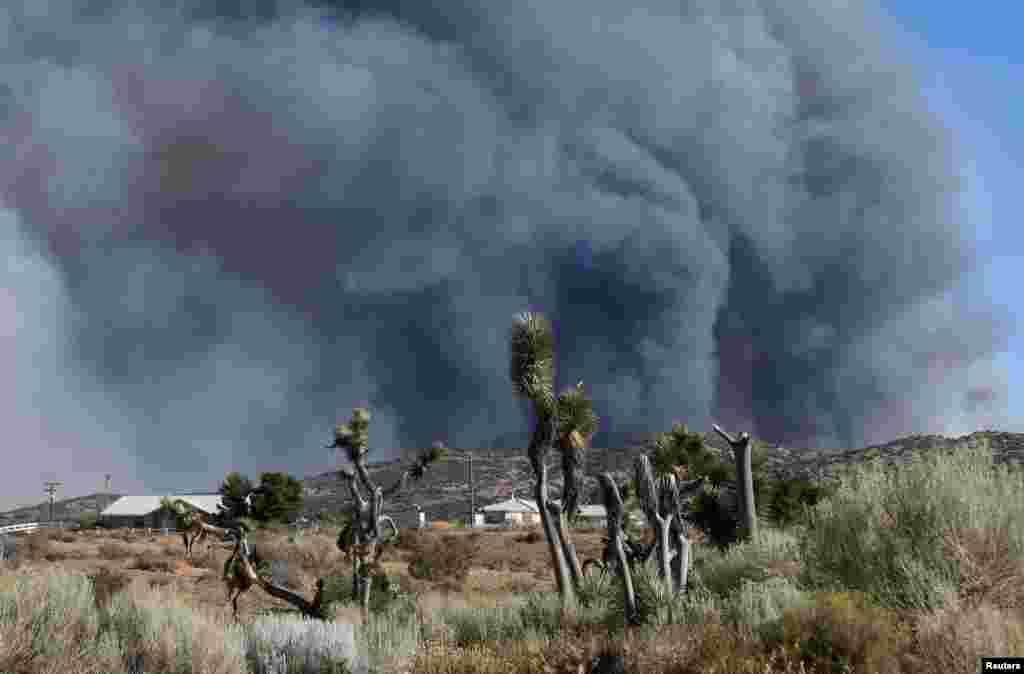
224	229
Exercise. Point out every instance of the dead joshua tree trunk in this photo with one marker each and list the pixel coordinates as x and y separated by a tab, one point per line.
614	508
744	482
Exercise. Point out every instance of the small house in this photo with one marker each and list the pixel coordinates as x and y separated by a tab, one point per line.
146	512
515	511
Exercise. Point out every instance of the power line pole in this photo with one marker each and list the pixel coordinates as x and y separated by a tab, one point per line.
472	493
51	489
103	501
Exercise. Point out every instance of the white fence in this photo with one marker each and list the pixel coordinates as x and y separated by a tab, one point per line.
28	527
19	528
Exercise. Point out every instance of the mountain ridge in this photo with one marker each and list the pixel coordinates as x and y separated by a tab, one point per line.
444	492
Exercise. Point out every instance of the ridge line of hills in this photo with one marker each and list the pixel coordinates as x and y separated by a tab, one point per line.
444	492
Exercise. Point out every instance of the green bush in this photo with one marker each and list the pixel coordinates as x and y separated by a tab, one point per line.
724	572
385	596
786	501
482	625
88	520
882	531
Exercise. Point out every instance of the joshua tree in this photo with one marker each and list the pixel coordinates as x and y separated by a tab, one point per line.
744	482
366	528
613	506
566	421
663	505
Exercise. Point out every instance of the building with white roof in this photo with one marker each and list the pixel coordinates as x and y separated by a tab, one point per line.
520	511
514	511
145	511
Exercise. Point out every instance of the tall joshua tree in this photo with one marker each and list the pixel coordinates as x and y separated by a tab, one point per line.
565	422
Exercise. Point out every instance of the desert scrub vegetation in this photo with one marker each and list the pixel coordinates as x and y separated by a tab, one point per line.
57	622
903	534
914	569
446	560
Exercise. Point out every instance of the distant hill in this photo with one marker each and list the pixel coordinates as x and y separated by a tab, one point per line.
444	492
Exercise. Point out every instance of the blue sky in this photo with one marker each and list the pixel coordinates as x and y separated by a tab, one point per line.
971	66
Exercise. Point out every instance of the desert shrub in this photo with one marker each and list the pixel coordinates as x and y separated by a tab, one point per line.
313	554
36	545
656	605
386	595
50	623
594	590
114	551
287	644
954	638
786	501
713	518
842	631
761	605
386	635
517	657
152	562
158	633
542	614
449	558
105	584
468	626
88	520
531	536
412	539
884	532
989	571
723	572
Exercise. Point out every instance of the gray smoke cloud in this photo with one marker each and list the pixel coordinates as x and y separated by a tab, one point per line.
224	230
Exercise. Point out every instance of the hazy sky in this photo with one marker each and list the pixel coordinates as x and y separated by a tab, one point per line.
220	233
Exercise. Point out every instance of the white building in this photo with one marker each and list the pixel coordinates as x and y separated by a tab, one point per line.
514	511
520	511
145	511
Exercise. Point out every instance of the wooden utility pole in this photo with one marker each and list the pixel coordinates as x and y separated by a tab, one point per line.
472	493
104	501
51	489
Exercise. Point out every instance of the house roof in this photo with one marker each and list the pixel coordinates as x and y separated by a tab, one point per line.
143	505
522	505
513	505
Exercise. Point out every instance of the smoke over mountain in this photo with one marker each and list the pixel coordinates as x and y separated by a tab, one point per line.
223	231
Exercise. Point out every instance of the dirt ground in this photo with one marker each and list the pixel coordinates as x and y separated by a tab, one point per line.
503	563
